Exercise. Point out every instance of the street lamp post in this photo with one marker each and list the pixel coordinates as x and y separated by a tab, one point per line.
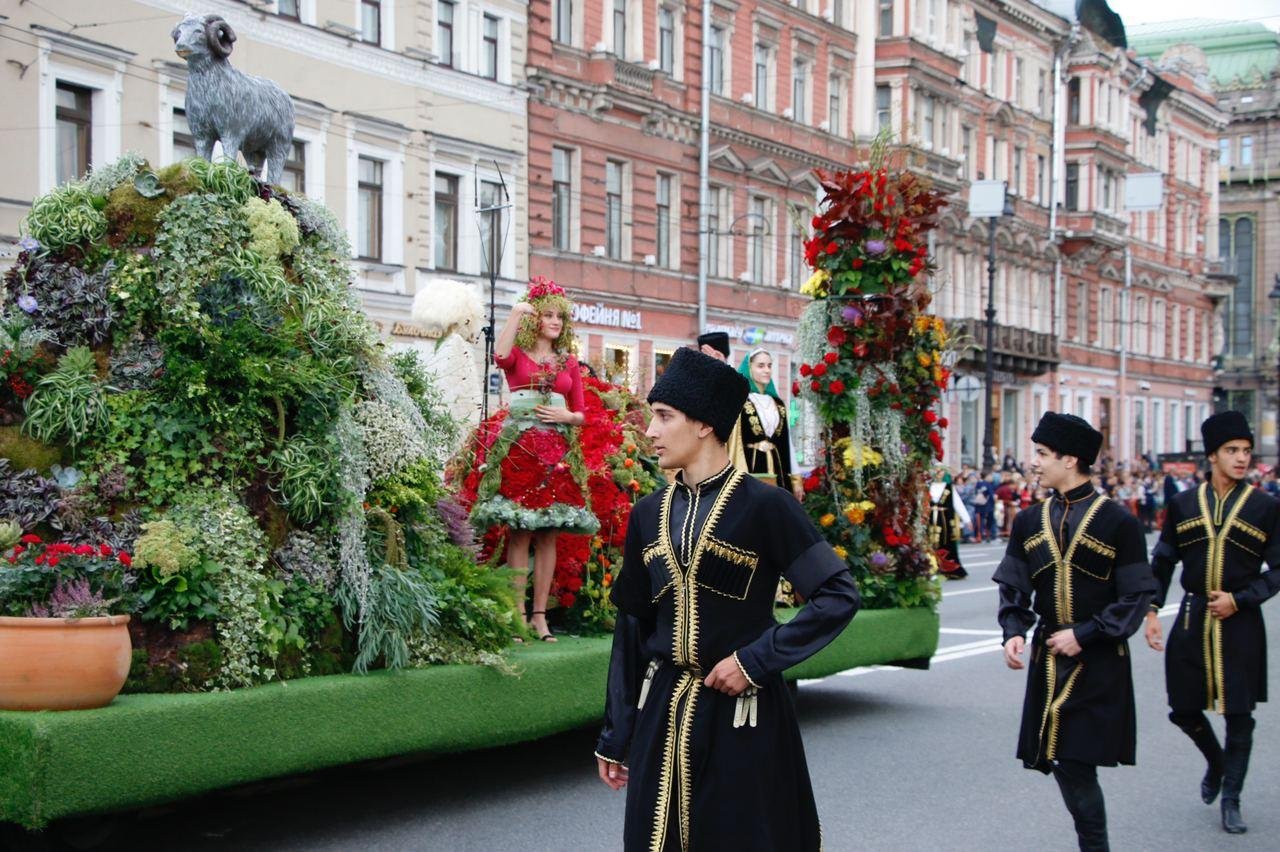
990	198
1274	295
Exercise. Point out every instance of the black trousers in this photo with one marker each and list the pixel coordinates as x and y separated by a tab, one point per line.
1232	759
1083	797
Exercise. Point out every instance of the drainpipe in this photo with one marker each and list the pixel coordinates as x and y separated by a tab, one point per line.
1055	148
1122	391
704	153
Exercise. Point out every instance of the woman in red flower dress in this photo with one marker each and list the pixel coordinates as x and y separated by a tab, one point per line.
533	479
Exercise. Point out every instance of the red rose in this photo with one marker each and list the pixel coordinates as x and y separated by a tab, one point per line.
125	559
858	263
832	248
944	423
30	538
817	222
860	349
837	387
819	370
831	357
930	417
567	599
795	388
805	370
104	550
902	245
815	386
836	336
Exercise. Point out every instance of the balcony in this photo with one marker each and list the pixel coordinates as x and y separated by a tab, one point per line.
631	76
1017	350
1094	225
942	170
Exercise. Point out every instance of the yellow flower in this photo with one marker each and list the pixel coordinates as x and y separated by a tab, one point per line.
939	326
816	286
867	458
937	375
855	515
841	552
923	323
924	358
827	520
867	506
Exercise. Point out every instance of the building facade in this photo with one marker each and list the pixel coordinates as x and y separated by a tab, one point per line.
1241	61
410	116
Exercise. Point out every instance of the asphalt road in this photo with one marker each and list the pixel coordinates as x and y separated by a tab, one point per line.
900	759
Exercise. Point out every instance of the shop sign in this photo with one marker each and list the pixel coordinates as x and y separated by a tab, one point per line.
404	329
755	334
602	314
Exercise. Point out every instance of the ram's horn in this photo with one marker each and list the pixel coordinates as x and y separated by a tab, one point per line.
220	36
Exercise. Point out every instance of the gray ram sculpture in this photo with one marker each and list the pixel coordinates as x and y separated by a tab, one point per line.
249	115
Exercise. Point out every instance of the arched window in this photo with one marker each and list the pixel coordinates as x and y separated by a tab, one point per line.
1235	241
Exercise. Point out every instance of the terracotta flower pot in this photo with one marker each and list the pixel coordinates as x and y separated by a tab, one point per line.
62	663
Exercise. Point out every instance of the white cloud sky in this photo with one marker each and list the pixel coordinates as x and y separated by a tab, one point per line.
1151	11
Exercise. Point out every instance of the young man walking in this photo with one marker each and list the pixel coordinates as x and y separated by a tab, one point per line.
1077	564
1221	532
699	725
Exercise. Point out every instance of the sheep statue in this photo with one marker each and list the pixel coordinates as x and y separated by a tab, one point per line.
449	312
249	115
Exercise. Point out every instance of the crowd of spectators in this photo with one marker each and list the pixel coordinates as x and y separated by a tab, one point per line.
993	500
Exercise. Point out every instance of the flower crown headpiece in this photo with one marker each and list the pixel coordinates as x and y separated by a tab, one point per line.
540	287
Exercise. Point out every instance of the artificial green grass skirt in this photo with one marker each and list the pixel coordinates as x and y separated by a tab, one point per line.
146	749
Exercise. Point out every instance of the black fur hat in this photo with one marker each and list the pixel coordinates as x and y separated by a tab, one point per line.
717	340
1222	427
1068	435
703	389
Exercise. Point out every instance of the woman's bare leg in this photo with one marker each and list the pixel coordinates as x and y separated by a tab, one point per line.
544	569
518	561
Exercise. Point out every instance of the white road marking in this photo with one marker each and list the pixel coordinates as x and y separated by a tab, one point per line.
970	632
990	588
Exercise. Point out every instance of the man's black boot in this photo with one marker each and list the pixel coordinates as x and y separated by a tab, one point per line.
1083	798
1197	728
1239	745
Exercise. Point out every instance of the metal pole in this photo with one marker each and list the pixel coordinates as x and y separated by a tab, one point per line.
704	179
490	341
988	431
1126	407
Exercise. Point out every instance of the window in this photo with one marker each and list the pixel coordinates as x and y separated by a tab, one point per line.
1138	337
184	144
1106	323
715	198
1246	150
489	49
74	122
884	114
369	236
762	77
662	191
444	32
1159	322
294	176
287	9
666	40
795	257
561	197
1073	100
927	127
446	222
835	95
716	64
1019	67
1073	186
613	209
758	218
1042	180
966	150
1019	154
371	21
837	12
1224	151
800	92
1042	92
1082	312
491	225
564	21
1235	241
886	18
620	29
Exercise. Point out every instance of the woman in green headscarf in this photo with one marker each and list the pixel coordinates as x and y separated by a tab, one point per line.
761	445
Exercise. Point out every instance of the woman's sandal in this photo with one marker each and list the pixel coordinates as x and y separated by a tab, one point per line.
548	636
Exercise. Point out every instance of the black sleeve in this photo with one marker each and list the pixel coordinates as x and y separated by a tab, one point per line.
1014	613
820	576
626	669
1165	557
1264	587
632	590
1135	587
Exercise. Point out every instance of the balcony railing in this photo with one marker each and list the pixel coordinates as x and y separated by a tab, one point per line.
633	76
1017	350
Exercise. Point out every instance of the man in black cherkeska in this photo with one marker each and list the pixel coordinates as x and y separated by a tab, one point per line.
1077	563
1222	532
699	724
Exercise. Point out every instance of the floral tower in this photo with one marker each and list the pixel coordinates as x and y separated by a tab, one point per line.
872	367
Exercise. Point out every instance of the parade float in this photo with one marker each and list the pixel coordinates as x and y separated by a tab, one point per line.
209	454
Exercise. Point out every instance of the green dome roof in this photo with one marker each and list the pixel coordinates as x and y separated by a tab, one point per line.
1238	52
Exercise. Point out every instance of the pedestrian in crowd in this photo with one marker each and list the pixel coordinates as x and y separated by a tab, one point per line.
1010	464
1026	494
1272	483
1078	564
947	515
984	507
699	724
1147	504
964	488
1221	532
761	442
534	351
1007	494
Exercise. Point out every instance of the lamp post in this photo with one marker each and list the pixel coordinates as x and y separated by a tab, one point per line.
990	198
1274	295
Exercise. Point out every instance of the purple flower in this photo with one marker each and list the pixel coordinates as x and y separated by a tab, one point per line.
874	247
28	303
879	560
29	244
851	313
